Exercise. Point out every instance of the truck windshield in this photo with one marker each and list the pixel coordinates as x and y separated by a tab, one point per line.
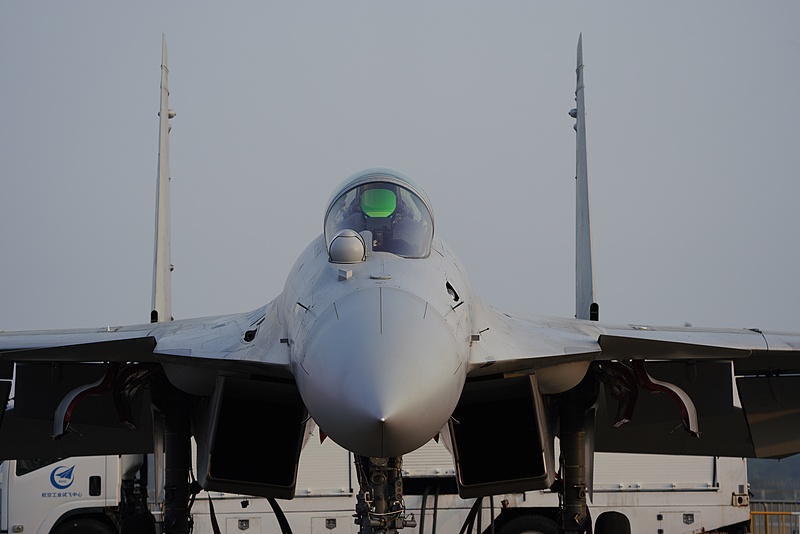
26	466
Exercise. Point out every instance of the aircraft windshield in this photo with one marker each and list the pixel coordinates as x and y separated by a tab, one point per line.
397	218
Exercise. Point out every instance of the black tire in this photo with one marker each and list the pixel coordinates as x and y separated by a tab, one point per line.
141	523
84	525
530	524
740	528
612	523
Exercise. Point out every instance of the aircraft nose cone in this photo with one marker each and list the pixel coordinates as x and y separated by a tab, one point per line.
380	372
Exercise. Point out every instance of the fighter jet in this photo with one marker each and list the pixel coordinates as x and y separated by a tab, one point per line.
378	340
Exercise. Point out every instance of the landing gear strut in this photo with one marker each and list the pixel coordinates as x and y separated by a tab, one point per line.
576	417
174	407
379	506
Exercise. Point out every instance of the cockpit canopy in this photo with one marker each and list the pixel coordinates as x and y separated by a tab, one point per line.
388	210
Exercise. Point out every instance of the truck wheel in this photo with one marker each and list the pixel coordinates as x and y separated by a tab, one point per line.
530	524
139	523
84	525
612	523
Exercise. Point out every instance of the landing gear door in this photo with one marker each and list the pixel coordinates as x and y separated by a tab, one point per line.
500	438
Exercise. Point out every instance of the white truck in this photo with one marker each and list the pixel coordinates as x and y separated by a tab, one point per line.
659	494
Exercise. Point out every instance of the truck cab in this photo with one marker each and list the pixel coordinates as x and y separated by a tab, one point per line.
64	495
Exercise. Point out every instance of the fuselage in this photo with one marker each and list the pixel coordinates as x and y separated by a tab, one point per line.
379	345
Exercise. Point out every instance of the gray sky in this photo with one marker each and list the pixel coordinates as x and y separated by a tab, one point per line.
691	130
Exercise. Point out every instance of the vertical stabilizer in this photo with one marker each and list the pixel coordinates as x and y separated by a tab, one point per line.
585	305
162	263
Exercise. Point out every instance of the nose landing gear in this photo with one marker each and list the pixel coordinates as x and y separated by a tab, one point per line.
379	506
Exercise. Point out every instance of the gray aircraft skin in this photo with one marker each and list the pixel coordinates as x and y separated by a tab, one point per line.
378	339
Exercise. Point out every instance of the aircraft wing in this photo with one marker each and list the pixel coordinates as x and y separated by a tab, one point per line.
223	341
740	387
517	344
57	368
754	351
744	385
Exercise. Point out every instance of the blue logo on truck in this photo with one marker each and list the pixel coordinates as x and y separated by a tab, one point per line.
61	477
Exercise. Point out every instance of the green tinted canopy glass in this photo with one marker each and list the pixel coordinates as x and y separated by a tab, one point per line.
378	202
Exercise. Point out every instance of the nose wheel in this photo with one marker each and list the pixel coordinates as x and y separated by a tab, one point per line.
379	503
